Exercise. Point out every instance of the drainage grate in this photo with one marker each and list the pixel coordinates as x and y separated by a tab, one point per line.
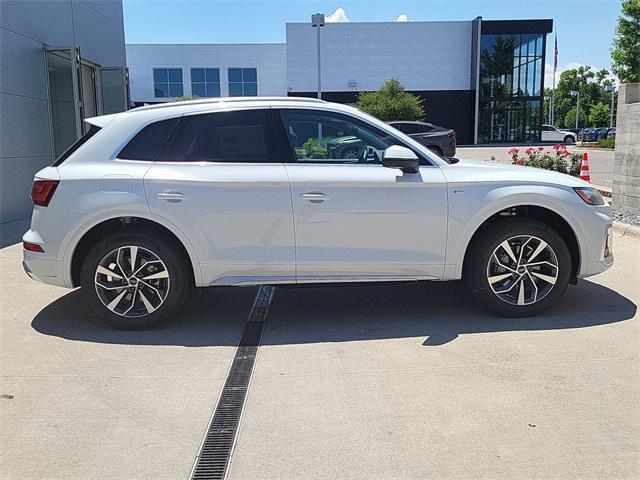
215	452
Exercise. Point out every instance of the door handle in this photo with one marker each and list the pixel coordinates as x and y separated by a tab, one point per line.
314	197
172	196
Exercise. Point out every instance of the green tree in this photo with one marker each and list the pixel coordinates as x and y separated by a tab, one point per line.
600	115
391	102
570	118
625	53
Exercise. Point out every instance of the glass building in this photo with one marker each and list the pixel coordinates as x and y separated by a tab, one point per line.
511	71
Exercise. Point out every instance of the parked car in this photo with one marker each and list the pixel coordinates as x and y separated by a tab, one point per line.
160	199
437	139
552	134
588	135
601	133
611	134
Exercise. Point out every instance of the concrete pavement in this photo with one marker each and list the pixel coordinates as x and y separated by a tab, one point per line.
400	381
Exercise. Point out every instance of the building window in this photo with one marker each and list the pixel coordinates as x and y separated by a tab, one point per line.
243	82
511	74
167	82
205	82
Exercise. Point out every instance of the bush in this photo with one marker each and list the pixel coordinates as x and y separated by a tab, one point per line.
606	143
560	160
391	103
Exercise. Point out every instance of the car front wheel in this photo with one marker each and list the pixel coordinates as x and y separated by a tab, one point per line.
569	139
518	268
134	280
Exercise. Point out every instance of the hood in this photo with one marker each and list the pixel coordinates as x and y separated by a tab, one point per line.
466	171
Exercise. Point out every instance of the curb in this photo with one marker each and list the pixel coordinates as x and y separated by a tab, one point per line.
626	230
604	191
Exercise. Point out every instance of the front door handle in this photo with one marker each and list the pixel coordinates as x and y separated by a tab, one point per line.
171	196
314	197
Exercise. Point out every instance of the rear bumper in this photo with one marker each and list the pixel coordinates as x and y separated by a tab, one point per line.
43	270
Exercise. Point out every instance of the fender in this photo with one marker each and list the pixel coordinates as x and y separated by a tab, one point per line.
464	221
73	238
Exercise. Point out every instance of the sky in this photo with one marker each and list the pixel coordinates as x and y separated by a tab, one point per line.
585	28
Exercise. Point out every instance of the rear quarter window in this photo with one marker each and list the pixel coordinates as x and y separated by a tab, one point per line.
148	142
76	145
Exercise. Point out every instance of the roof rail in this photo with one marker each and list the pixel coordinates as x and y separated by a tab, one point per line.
201	101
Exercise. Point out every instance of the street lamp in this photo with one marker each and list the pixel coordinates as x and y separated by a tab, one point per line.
546	99
317	21
576	93
612	89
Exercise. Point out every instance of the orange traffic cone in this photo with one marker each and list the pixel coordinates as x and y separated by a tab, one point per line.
584	168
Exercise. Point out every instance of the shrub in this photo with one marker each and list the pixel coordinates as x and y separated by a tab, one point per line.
560	160
606	143
391	102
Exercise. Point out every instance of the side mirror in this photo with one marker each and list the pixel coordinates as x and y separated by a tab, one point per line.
400	157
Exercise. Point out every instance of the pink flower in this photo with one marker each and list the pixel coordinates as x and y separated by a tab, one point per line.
540	148
513	151
528	151
521	161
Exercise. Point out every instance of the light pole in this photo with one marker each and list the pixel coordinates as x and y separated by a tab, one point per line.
546	99
612	89
317	21
576	93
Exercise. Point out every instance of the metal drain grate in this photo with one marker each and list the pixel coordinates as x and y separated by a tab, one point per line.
215	452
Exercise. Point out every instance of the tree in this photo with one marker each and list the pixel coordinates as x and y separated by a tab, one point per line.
599	115
570	118
391	102
625	53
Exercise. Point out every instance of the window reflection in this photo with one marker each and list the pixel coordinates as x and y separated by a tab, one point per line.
510	87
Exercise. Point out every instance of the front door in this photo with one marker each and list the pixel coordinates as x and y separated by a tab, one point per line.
217	179
355	219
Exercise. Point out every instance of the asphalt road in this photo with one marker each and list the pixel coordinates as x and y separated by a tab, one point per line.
601	161
402	381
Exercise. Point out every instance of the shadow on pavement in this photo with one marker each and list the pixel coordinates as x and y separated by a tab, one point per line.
438	311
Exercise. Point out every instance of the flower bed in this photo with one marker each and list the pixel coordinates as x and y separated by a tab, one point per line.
559	160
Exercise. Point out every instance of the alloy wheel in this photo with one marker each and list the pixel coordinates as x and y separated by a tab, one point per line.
522	270
132	281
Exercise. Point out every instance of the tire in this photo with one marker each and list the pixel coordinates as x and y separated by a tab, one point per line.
436	150
150	301
520	294
569	139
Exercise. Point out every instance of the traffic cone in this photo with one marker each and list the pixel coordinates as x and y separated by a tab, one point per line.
584	168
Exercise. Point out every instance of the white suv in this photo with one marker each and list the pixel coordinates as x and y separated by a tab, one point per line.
552	134
154	201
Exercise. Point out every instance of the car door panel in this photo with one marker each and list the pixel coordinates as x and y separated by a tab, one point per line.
238	215
371	222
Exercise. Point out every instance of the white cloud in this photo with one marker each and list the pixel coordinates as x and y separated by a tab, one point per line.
338	16
402	18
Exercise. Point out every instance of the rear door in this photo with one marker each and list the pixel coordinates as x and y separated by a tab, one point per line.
218	179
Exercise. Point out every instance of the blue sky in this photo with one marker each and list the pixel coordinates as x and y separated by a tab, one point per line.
585	27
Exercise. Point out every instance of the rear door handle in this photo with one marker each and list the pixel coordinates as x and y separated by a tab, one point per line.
172	196
314	197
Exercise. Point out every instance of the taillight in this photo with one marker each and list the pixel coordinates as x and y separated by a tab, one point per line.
32	247
42	191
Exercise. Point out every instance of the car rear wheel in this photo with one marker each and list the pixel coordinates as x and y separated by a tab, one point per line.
134	280
436	150
351	153
518	268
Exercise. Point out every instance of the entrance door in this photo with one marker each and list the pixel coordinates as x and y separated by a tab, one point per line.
355	219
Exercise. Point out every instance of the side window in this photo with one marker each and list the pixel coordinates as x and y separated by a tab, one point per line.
546	128
147	143
325	137
239	136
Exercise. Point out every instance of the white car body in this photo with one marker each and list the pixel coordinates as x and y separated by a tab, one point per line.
553	134
274	223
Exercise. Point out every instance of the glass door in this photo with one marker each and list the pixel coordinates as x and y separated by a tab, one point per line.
63	78
114	89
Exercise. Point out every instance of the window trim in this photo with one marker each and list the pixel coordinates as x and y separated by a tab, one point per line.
288	150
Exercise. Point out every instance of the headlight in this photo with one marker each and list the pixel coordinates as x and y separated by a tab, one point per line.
589	195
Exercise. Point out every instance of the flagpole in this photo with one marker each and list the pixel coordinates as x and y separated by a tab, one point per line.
553	90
